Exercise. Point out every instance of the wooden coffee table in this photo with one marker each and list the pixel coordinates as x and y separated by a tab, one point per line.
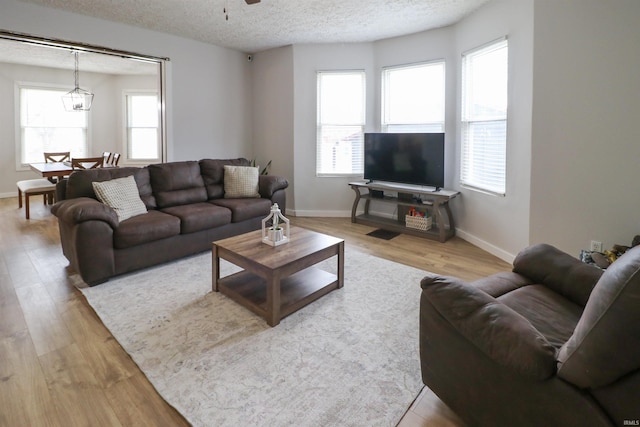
277	281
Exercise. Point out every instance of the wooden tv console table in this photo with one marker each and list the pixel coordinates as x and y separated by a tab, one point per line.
435	203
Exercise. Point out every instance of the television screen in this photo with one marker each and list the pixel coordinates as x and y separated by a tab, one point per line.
407	158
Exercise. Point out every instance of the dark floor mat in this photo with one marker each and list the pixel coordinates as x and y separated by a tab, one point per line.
383	234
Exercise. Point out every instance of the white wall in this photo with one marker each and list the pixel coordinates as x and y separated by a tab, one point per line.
209	111
573	140
326	196
500	225
10	75
586	138
273	114
106	113
421	47
116	134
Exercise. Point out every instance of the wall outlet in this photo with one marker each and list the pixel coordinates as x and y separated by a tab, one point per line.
596	246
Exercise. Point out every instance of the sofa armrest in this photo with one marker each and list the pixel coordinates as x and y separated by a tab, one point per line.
82	209
269	184
561	272
496	330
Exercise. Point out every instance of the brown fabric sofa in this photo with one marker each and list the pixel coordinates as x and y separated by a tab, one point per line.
555	342
186	212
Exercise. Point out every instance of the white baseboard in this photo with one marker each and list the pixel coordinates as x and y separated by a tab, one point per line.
326	214
494	250
482	244
333	214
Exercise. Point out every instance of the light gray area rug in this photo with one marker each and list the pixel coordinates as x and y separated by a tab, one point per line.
350	358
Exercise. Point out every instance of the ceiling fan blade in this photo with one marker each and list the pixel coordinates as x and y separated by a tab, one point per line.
252	1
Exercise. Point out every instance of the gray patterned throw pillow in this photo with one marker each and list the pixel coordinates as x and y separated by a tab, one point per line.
240	182
122	195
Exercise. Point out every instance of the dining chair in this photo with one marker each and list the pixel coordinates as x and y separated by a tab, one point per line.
115	159
62	156
108	158
87	162
44	186
56	157
34	187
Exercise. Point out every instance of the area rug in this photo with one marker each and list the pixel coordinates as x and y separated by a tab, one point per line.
350	358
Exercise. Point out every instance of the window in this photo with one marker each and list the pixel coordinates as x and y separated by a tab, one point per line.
46	126
413	98
341	119
484	118
143	142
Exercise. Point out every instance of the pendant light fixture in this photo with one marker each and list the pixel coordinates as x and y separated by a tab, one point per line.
78	99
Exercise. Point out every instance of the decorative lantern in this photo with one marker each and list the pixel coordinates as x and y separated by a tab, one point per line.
78	99
278	232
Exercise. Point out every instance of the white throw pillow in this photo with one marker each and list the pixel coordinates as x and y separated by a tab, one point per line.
122	195
240	182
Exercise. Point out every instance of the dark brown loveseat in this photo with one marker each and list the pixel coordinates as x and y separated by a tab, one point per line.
187	210
554	343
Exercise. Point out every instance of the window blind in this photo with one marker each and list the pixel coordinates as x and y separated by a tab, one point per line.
414	98
341	119
484	118
46	126
143	142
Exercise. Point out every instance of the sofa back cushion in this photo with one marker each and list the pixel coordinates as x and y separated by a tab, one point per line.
177	183
566	275
606	342
213	174
80	183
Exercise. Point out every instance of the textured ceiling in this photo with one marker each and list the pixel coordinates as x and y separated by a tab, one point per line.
14	52
275	23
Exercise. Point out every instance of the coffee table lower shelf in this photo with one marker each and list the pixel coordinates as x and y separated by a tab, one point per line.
296	291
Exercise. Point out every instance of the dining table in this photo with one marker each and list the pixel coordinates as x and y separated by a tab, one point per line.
52	169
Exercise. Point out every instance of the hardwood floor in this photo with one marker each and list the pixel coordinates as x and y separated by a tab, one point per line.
59	366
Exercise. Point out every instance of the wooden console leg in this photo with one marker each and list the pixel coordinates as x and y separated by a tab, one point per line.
354	208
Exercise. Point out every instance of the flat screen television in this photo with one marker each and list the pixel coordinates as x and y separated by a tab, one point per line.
406	158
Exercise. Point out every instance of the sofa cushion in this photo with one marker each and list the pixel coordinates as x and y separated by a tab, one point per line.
606	343
154	225
547	265
143	179
79	183
213	174
121	194
199	216
502	334
243	209
241	182
177	183
553	315
501	283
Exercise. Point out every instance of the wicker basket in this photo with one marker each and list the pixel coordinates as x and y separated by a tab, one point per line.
418	222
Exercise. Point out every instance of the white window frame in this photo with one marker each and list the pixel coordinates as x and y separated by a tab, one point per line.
127	149
351	144
483	164
20	125
420	98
